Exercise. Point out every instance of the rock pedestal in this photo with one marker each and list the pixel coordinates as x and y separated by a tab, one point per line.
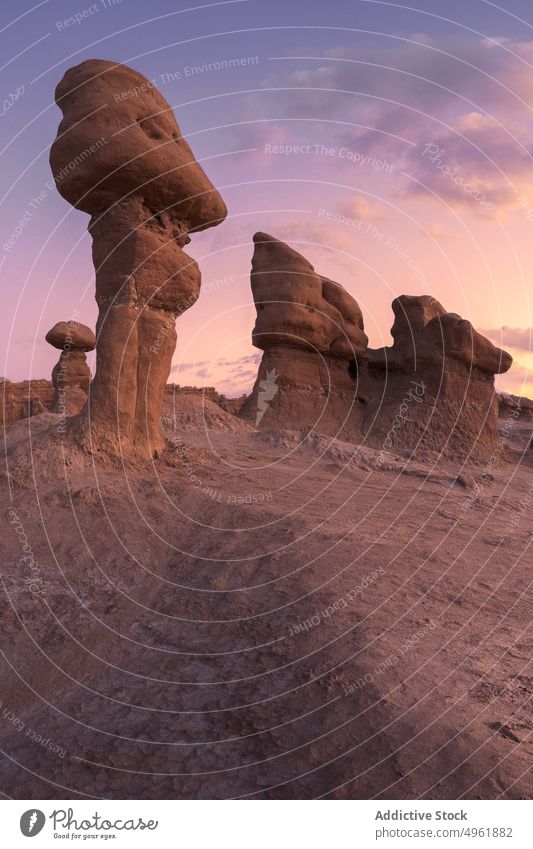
120	156
71	375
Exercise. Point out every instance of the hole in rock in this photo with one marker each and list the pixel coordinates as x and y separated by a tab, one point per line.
353	369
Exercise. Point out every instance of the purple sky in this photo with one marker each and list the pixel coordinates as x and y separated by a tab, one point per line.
350	129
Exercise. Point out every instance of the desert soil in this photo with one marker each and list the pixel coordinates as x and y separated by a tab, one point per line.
264	615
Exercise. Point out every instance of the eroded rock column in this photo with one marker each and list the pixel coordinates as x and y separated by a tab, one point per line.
312	335
71	375
120	157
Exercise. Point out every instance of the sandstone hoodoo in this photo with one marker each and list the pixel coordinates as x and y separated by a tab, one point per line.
434	388
312	334
122	159
71	375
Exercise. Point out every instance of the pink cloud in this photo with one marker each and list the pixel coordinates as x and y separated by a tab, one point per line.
520	338
361	208
467	94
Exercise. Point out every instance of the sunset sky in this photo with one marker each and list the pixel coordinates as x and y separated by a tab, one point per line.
391	144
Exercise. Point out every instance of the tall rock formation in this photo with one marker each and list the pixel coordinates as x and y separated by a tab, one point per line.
432	390
312	335
119	156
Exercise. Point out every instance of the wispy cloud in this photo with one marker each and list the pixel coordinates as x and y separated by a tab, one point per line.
520	338
228	376
467	94
360	208
27	342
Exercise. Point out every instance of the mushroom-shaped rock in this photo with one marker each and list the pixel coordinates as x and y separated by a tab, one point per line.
120	156
312	334
71	375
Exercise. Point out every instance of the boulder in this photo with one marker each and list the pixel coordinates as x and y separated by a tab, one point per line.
118	139
67	335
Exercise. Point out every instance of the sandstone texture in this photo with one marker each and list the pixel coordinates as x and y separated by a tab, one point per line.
25	399
421	324
196	412
312	334
272	616
71	375
521	406
230	405
119	156
298	308
432	390
70	335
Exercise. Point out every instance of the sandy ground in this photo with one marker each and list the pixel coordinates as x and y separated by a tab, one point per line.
269	615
